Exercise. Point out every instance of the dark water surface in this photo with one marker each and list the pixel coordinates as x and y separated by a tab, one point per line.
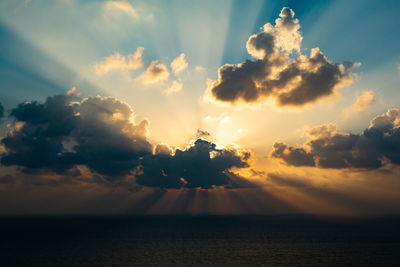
295	240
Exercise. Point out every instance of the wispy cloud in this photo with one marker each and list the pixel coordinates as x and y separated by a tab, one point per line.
119	62
363	101
179	64
154	73
175	87
123	6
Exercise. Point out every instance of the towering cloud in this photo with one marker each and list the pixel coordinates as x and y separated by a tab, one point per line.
59	135
118	62
328	148
276	72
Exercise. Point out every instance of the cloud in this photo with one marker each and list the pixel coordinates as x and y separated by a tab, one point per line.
175	87
59	134
97	140
375	147
201	164
123	6
201	133
292	156
118	62
275	71
154	73
362	102
179	64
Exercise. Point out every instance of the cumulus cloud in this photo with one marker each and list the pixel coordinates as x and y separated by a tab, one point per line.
98	137
201	164
59	134
154	73
123	6
292	156
175	87
276	72
179	64
118	62
375	147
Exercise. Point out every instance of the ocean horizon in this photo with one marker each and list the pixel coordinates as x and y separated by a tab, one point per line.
187	240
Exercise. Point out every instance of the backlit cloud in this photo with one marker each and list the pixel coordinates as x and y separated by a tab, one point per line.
97	137
276	72
154	73
201	164
179	64
118	62
122	6
375	147
59	134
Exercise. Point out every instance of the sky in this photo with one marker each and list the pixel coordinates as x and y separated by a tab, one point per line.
199	107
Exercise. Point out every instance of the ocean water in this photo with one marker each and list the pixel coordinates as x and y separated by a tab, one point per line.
273	240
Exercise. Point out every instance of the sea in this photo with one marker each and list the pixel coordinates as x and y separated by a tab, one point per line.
201	240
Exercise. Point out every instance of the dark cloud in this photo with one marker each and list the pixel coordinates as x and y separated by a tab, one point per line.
61	136
58	134
328	148
274	72
201	133
199	165
292	156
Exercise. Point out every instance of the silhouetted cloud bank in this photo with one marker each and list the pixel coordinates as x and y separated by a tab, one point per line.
375	147
61	134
